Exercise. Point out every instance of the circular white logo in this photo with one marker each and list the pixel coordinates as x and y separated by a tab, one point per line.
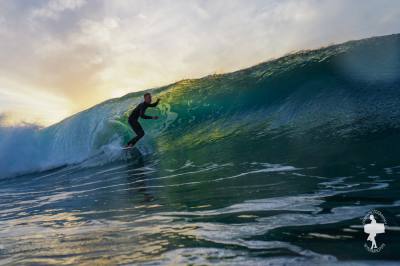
373	228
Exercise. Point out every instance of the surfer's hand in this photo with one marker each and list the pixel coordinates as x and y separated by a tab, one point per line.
155	117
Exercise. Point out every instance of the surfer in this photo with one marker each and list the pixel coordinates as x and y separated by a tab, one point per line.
139	111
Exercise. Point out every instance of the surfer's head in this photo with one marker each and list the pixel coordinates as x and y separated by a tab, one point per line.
147	97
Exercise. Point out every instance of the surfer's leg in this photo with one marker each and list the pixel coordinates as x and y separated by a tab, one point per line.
138	130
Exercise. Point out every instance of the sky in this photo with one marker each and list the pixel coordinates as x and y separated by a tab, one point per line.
58	57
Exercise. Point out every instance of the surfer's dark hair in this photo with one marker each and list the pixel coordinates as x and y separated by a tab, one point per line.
146	94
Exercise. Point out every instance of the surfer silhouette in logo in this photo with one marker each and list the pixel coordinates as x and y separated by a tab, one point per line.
372	234
139	111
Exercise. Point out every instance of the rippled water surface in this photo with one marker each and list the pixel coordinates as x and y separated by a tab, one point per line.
144	211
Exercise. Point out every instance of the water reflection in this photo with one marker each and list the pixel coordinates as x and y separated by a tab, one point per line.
138	182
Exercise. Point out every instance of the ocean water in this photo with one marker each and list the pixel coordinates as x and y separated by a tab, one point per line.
274	164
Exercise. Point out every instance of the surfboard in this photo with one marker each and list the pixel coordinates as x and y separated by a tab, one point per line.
376	228
127	148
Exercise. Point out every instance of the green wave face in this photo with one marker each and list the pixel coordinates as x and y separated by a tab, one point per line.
337	104
334	104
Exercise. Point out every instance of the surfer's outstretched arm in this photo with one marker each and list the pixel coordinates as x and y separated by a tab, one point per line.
142	115
142	111
155	104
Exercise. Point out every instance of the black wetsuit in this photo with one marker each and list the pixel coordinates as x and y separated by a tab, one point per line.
133	120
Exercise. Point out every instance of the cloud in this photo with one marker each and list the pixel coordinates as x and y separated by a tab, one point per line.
87	51
53	8
21	104
96	33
